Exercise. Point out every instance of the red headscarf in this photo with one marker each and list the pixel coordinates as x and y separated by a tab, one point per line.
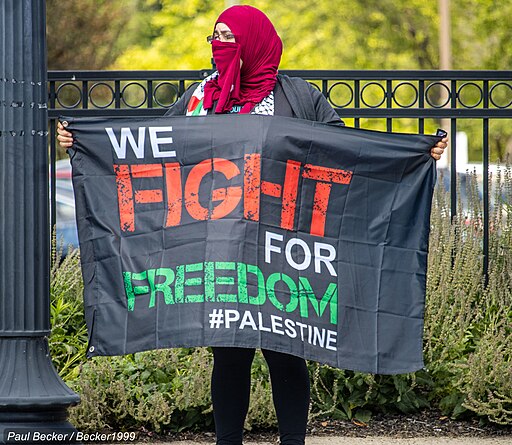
258	46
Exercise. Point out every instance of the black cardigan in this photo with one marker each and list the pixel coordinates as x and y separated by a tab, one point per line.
306	101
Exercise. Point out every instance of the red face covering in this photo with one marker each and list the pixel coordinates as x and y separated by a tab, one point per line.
258	46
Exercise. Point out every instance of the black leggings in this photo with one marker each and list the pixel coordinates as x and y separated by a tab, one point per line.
231	387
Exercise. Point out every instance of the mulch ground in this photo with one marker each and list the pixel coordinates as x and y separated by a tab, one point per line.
425	424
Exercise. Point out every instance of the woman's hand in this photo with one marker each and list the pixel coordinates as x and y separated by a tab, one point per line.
437	150
65	138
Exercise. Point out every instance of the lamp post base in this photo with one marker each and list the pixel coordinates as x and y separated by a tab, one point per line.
33	398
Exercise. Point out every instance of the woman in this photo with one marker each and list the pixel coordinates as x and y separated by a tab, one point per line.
247	51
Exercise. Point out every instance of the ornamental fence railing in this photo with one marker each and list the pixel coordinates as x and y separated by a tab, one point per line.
409	101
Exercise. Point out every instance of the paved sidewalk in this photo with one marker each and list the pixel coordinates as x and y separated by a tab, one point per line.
333	440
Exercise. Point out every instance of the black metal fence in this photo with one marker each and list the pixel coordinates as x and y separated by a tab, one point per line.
363	98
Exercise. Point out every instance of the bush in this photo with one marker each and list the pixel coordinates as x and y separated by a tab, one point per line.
161	390
468	352
340	394
468	321
68	340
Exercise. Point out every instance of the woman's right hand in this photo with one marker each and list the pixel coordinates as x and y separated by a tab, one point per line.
65	138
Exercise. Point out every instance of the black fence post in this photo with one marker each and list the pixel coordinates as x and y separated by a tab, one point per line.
32	395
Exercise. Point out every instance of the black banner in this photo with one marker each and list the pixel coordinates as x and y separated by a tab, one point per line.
254	231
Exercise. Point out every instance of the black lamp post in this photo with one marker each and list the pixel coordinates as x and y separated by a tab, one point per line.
32	395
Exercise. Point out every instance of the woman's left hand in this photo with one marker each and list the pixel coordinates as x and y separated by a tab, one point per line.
437	150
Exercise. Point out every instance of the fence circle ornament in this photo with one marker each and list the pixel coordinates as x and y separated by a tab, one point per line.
442	85
465	85
383	93
493	90
91	95
315	86
405	84
124	93
330	92
163	84
73	87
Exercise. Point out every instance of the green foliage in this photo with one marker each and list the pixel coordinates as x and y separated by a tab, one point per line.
160	390
180	29
340	394
68	340
360	34
88	34
469	323
486	374
324	37
467	347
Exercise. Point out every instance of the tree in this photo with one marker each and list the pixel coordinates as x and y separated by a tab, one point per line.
359	34
86	34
